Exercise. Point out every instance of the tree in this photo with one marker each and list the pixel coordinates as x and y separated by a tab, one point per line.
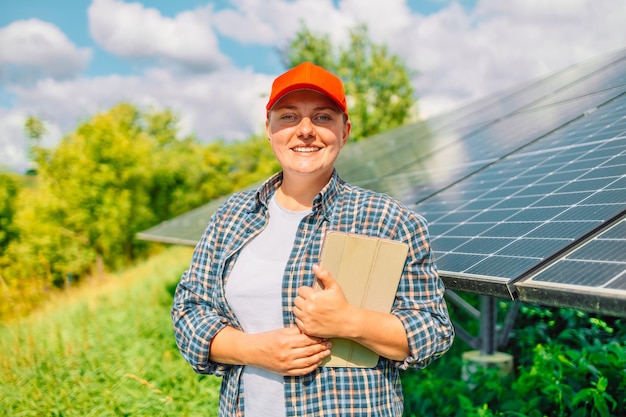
378	84
35	129
118	173
307	46
9	189
90	199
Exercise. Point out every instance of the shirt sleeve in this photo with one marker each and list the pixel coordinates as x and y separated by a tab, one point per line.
420	303
196	313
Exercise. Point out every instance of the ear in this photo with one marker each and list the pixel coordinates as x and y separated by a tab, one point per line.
267	128
346	132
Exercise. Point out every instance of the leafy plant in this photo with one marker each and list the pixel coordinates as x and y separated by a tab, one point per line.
567	364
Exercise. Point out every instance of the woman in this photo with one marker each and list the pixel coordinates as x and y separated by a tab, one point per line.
246	308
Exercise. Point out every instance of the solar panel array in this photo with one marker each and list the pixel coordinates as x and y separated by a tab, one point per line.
504	220
523	190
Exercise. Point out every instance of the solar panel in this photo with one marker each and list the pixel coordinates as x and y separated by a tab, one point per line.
185	229
415	161
507	218
591	276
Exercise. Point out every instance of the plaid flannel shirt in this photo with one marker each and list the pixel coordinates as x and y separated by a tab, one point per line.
200	309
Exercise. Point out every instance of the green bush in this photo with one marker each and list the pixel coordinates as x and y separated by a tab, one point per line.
567	364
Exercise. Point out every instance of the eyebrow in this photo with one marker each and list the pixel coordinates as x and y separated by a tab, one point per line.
319	108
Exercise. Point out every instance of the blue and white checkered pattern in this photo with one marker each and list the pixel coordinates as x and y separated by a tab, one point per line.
200	310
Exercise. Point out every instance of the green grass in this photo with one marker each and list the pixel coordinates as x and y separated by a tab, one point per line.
105	349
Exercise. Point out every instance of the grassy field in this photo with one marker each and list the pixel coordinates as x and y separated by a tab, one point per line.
105	349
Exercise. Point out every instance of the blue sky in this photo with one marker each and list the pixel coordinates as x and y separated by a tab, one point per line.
213	61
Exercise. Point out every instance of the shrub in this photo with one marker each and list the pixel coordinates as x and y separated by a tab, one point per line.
567	364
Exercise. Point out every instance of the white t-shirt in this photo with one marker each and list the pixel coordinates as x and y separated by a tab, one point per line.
254	291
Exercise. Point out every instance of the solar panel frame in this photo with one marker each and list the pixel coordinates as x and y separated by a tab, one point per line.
606	295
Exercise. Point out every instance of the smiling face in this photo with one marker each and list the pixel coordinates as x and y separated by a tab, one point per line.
307	130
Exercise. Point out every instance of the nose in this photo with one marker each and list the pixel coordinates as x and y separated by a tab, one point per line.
305	128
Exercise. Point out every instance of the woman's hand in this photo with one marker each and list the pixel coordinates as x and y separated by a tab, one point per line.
285	351
323	312
288	351
327	313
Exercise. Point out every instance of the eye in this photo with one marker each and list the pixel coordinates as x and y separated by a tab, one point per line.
323	118
288	117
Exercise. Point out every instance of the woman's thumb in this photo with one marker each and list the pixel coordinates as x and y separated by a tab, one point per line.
323	276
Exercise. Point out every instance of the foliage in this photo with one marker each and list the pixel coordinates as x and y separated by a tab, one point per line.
118	173
378	84
568	364
251	161
105	349
9	189
89	201
34	129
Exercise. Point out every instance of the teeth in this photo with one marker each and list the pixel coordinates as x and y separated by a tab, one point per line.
305	149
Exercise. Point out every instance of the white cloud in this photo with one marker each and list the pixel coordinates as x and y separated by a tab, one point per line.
226	104
385	19
273	22
32	49
12	143
465	55
133	31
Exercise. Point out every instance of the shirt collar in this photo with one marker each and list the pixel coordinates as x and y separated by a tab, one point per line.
326	199
323	202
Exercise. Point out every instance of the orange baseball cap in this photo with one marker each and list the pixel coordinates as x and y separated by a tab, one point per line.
308	76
